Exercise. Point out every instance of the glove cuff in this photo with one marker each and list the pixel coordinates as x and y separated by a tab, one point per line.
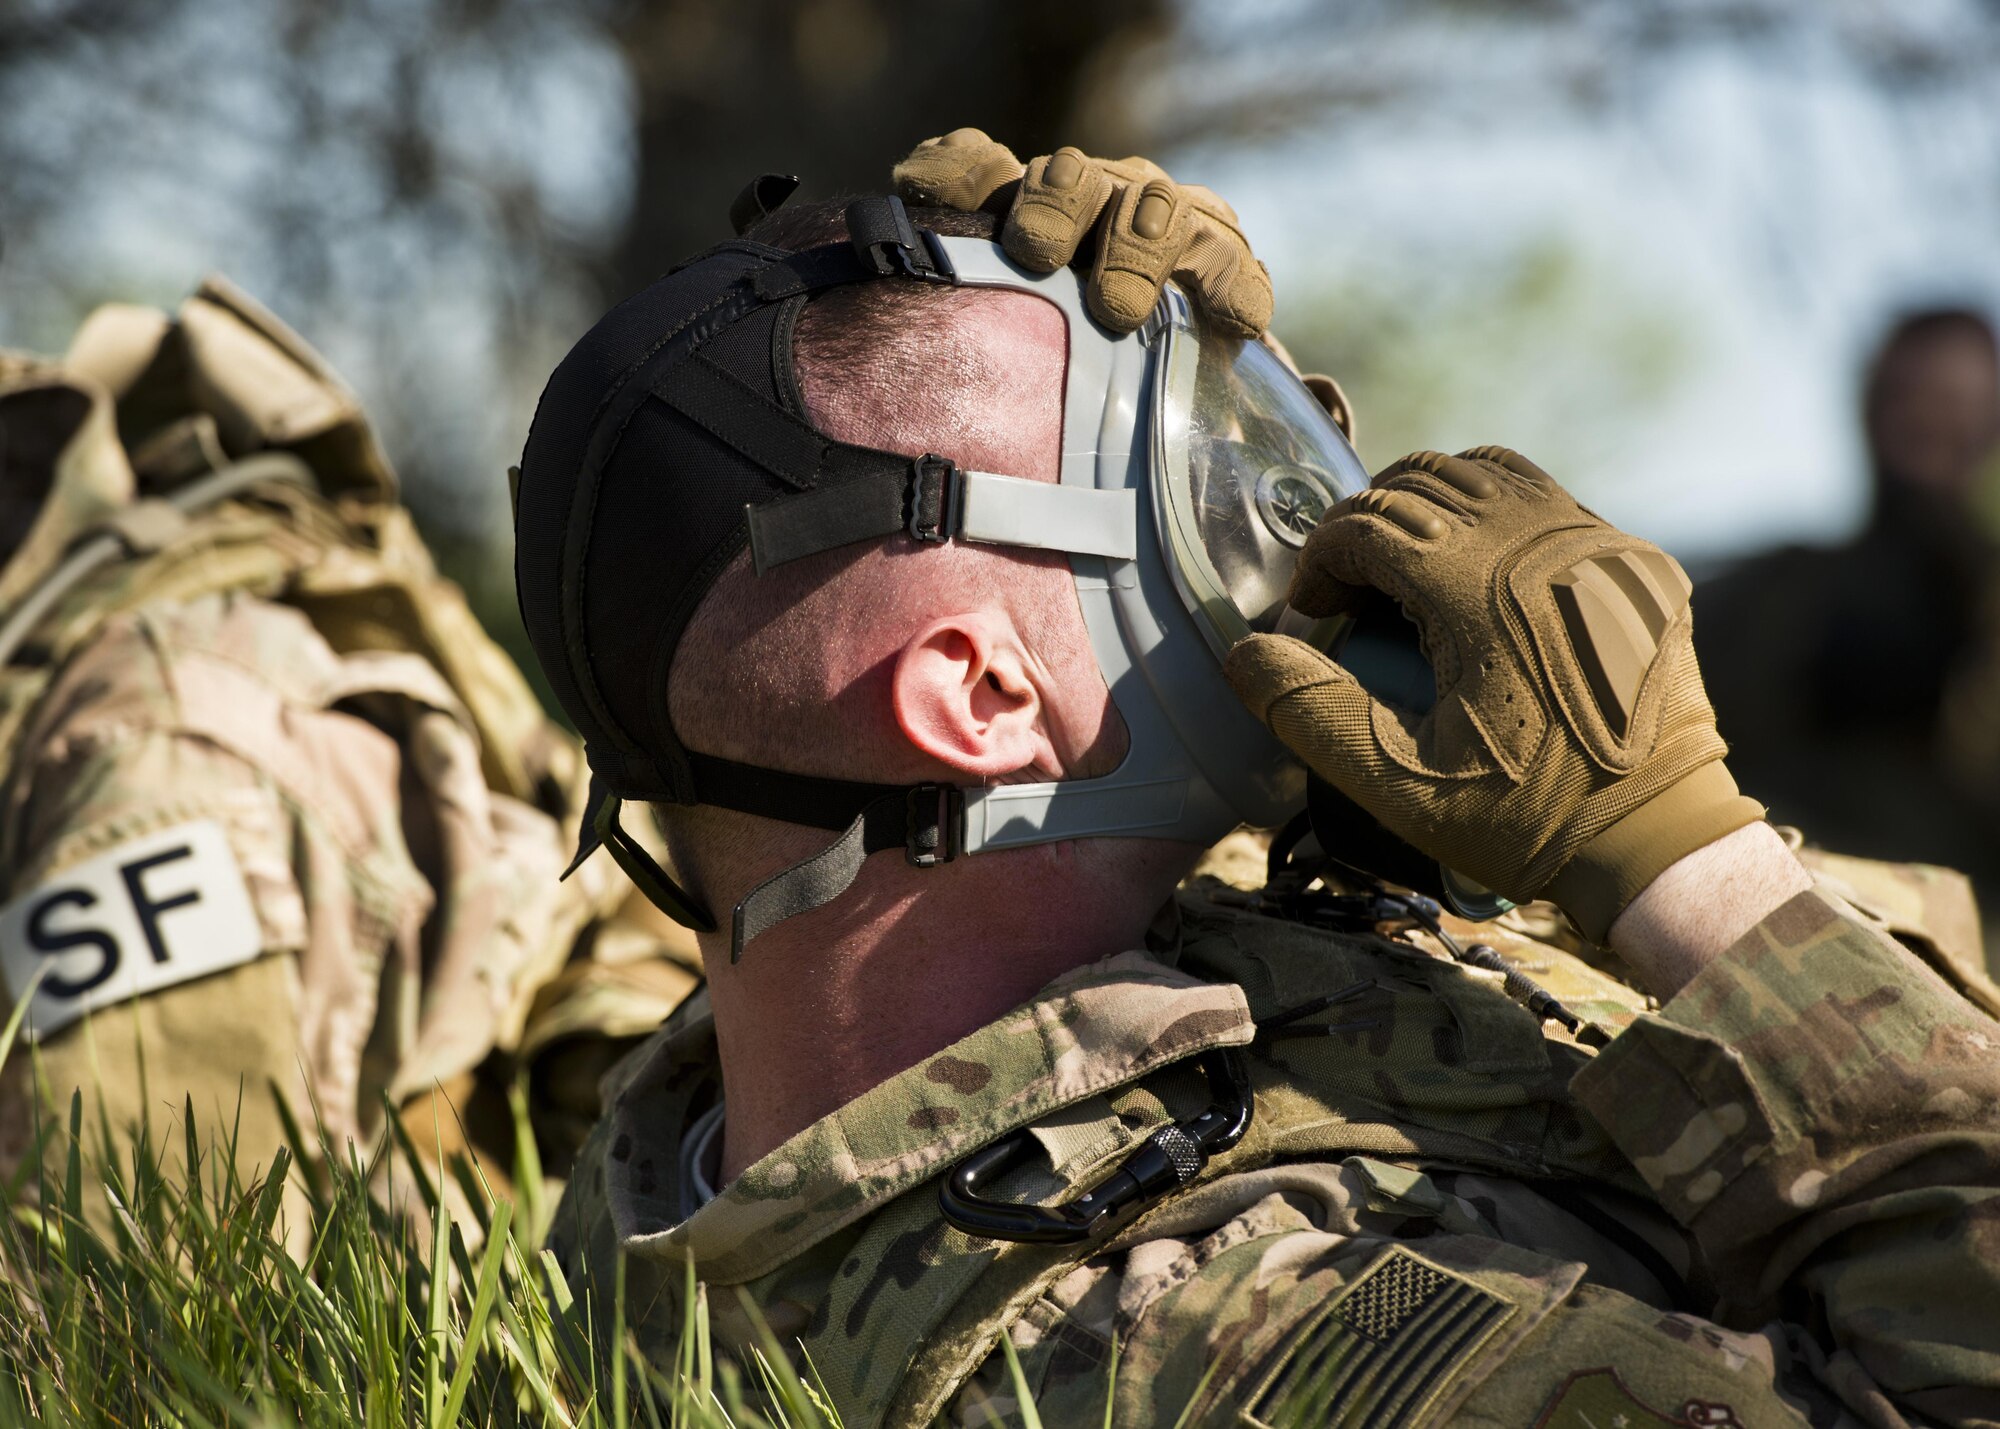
1611	870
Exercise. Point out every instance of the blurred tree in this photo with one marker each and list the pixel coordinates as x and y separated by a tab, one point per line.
1432	354
834	90
441	193
1260	69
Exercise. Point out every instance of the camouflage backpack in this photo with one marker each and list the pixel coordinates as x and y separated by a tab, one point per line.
205	553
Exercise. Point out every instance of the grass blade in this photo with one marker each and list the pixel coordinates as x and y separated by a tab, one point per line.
1024	1400
482	1311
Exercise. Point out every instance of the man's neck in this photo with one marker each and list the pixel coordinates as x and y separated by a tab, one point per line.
827	1005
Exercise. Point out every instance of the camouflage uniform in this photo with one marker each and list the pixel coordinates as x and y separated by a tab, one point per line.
1771	1201
276	810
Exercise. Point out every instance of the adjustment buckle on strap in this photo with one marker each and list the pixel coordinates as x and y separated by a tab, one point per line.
934	499
934	819
927	261
891	246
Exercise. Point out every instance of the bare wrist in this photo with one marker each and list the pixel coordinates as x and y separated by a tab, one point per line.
1703	903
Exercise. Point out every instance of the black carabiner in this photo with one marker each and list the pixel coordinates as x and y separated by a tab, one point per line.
1168	1159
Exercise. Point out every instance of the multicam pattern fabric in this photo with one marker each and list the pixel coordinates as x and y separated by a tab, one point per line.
290	665
1740	1211
1929	909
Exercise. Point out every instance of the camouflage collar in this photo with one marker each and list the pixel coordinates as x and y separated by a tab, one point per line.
1088	1032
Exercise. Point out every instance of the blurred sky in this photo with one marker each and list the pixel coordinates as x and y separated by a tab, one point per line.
1749	210
1648	244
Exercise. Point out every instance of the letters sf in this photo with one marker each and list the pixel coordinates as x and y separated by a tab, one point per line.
152	912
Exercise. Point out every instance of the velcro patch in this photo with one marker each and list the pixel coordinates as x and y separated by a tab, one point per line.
150	913
1598	1399
1384	1349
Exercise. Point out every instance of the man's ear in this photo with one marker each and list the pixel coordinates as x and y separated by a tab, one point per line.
967	694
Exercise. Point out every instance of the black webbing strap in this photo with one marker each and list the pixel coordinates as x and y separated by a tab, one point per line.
924	497
743	419
926	821
821	803
760	430
883	236
842	493
808	271
602	829
882	243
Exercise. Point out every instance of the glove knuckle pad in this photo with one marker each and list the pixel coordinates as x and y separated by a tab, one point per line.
1065	168
1048	222
1414	461
1508	459
1146	234
1469	478
1154	213
1405	509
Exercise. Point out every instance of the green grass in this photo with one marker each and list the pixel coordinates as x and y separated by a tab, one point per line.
138	1287
131	1293
202	1303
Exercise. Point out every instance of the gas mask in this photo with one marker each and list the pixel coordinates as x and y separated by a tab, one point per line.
1193	467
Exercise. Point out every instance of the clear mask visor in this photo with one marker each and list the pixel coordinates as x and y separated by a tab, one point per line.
1245	464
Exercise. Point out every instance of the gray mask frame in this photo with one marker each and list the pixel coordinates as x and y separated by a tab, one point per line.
1198	763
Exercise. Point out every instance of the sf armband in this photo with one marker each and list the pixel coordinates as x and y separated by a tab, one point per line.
159	910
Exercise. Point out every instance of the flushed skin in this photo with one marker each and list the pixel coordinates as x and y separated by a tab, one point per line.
289	668
1805	1137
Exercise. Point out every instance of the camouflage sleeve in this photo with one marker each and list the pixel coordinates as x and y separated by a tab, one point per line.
1818	1108
228	885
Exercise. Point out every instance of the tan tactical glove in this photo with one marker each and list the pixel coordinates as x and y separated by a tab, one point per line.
1572	753
1147	227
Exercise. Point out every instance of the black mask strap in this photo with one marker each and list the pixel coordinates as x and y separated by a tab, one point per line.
925	821
923	497
601	829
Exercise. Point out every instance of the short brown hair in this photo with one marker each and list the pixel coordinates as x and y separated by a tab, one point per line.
850	326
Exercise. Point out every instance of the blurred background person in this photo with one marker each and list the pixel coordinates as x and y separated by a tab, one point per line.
1833	668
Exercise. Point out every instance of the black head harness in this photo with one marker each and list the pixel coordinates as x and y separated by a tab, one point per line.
672	435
